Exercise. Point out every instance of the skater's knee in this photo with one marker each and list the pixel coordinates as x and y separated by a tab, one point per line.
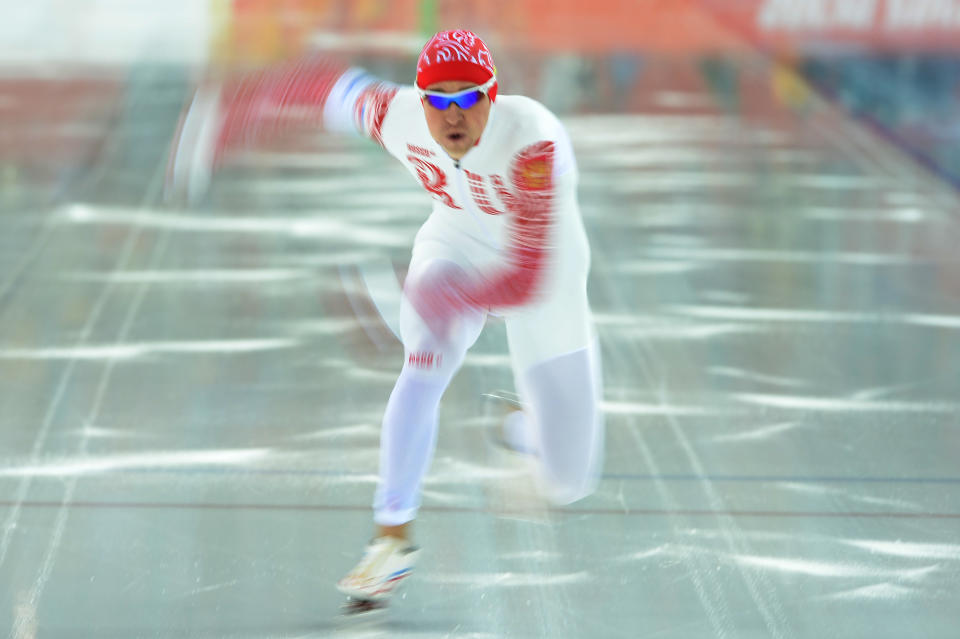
427	355
425	362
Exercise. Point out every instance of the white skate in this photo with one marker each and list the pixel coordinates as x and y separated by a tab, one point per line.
386	562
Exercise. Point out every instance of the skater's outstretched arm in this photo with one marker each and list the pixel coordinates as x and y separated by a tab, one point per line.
313	91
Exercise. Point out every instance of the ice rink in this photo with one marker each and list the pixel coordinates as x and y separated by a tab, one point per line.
191	396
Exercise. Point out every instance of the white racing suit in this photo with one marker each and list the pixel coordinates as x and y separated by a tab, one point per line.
505	235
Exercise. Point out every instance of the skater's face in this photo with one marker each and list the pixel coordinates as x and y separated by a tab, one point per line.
454	128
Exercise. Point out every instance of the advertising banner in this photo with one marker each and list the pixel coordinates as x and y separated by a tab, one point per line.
261	30
875	25
711	26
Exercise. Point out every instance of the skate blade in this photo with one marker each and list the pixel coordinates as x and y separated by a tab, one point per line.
355	606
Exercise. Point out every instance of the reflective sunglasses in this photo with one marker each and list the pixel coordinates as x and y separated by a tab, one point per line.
463	99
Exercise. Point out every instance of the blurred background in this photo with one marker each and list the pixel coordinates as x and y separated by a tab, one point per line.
891	63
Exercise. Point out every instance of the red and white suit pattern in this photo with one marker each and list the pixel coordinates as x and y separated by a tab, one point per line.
505	235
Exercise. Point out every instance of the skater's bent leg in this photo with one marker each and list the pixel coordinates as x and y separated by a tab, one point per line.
556	367
409	432
562	396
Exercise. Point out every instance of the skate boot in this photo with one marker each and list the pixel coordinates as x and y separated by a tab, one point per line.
386	562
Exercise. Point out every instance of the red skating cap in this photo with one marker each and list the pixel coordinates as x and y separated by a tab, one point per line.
456	55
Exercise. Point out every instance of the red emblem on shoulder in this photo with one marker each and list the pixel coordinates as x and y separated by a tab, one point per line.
532	168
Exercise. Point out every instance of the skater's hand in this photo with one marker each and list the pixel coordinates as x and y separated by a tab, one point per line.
439	298
194	151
